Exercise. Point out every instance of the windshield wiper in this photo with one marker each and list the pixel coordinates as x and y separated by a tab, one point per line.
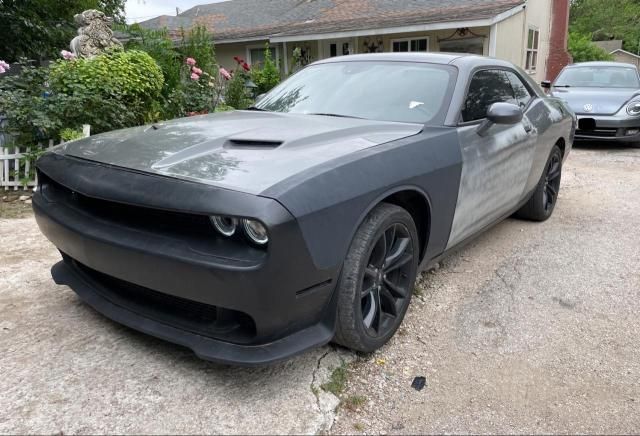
562	86
254	108
335	115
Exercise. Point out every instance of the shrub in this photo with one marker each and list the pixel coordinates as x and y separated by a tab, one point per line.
198	45
123	78
236	94
24	103
582	49
181	95
267	76
158	45
68	134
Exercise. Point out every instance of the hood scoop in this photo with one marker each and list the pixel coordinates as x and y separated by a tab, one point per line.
252	144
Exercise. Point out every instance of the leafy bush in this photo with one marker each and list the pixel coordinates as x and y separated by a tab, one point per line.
68	134
267	76
24	102
582	49
236	94
181	95
198	45
198	92
158	45
131	78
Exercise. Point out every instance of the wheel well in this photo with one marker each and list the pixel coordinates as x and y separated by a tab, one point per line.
417	205
562	145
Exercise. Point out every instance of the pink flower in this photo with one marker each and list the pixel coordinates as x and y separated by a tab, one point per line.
194	76
67	55
191	62
245	66
2	70
5	66
224	73
196	70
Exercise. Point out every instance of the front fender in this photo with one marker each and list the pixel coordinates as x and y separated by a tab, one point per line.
330	201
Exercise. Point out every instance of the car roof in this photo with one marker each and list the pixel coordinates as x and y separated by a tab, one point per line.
433	58
602	64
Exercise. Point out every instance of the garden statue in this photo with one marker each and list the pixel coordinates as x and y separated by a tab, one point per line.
94	35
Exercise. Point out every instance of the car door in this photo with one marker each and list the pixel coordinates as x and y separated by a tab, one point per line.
496	165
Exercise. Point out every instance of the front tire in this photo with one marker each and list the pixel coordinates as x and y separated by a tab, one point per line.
377	280
541	204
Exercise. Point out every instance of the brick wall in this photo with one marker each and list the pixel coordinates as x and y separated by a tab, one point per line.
558	55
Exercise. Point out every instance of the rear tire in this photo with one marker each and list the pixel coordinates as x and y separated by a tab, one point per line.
378	276
541	204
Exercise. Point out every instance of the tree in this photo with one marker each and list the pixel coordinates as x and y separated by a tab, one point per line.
582	49
39	29
607	19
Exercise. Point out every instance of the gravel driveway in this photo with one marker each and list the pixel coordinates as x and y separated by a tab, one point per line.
532	328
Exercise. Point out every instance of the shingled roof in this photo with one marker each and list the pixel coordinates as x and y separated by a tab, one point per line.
252	19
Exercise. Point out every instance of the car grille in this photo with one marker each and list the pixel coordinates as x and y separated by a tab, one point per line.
191	230
131	216
599	133
199	318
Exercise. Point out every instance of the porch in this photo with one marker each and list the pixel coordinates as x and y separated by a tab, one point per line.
295	52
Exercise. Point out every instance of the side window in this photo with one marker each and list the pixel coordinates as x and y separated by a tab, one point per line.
523	95
486	88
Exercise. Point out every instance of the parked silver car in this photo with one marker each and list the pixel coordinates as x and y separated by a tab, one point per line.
605	97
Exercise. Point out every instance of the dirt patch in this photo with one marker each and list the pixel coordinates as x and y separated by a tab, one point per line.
12	207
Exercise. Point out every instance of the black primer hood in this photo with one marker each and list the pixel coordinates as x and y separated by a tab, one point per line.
243	150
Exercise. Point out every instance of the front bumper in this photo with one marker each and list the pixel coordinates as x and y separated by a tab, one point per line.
226	301
615	128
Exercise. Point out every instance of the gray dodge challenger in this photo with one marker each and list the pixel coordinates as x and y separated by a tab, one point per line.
251	236
606	98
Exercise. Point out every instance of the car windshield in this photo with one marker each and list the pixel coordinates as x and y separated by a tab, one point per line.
383	91
599	77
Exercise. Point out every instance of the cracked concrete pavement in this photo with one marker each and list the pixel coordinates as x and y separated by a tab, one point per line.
531	328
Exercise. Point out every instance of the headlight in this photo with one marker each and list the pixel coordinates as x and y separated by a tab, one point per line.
256	231
224	224
633	108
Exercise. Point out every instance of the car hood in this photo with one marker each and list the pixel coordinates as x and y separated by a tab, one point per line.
604	101
243	150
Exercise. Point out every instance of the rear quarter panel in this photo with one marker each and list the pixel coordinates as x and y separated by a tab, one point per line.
555	123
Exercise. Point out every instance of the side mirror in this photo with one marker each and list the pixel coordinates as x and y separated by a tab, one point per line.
546	84
500	113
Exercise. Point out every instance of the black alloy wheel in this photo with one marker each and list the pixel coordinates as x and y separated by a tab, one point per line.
377	280
552	182
543	201
386	281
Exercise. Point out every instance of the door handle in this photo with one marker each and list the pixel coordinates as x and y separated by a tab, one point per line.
528	127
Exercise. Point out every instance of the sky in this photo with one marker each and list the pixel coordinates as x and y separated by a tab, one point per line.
140	10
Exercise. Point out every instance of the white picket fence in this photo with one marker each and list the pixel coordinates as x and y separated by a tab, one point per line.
12	175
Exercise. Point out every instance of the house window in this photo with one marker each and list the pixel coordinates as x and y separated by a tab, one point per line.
533	40
410	44
255	54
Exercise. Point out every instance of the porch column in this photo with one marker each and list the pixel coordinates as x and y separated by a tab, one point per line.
285	58
493	40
